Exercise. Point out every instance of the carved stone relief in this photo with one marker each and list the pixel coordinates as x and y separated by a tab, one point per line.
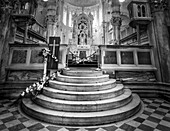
24	75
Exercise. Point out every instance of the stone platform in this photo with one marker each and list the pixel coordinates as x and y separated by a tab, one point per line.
83	98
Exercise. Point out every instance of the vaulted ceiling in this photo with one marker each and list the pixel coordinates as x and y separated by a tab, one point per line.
83	3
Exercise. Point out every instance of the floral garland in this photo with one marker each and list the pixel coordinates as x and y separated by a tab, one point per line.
45	52
78	60
37	88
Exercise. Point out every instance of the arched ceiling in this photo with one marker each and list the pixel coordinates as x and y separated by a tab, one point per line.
83	3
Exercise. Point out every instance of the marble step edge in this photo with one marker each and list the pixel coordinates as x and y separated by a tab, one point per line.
73	79
82	87
85	73
84	106
82	118
78	77
75	95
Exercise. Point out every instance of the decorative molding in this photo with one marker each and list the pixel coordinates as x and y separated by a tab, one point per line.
158	5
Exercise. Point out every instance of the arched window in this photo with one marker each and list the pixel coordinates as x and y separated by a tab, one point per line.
143	11
139	11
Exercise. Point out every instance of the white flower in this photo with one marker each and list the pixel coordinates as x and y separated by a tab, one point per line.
23	93
34	85
39	87
37	84
27	90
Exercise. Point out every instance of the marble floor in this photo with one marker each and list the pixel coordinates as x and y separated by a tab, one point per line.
155	117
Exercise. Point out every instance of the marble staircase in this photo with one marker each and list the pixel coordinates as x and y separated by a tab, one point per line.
83	98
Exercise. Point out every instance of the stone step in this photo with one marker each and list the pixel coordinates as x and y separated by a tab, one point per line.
81	118
76	79
84	106
82	73
82	87
83	96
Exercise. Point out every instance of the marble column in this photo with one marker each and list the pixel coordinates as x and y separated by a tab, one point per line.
116	21
162	38
104	23
98	16
51	19
67	16
61	10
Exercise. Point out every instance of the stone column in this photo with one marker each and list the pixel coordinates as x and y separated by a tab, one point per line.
116	21
7	34
61	10
98	16
104	23
67	17
162	37
51	19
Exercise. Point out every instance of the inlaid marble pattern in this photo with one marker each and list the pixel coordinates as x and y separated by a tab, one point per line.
35	57
155	117
19	56
110	57
127	57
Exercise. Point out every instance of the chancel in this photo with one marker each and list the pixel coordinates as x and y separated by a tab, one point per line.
85	65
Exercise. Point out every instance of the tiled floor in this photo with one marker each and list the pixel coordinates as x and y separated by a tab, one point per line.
155	117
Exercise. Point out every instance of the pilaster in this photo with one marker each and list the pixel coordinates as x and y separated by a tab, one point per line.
158	8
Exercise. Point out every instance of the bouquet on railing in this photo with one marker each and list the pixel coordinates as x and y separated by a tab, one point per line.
37	87
78	60
46	52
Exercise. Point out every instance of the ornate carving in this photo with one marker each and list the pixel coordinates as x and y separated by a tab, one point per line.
116	21
158	5
24	75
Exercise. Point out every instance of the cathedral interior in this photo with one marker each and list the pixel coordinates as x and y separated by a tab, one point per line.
85	65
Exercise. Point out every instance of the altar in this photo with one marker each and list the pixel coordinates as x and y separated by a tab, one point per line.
81	48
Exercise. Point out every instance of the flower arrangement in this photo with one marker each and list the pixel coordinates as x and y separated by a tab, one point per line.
46	52
86	59
37	87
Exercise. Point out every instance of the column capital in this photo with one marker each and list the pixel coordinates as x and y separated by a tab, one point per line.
115	3
50	19
116	21
158	5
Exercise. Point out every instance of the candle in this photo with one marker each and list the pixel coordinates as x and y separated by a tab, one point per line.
54	48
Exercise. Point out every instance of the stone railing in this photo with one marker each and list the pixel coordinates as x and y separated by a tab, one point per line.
25	63
126	58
